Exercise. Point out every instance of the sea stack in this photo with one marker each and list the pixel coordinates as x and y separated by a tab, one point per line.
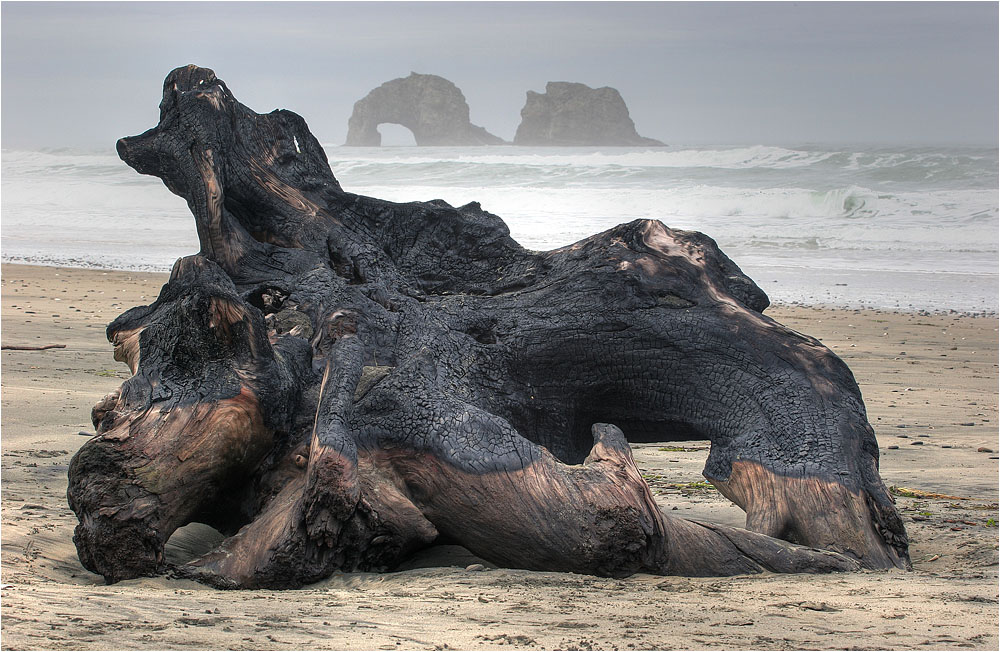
432	107
569	113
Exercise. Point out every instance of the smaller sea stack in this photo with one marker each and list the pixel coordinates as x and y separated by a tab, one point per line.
569	114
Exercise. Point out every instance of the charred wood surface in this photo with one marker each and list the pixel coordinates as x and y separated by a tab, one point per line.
335	381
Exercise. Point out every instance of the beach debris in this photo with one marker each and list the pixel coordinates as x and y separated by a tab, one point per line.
809	605
817	606
24	347
516	640
339	381
918	493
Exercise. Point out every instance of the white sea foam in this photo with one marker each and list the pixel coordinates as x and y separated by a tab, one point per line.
724	158
897	223
846	218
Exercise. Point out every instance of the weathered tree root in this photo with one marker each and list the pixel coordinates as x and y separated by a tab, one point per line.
336	381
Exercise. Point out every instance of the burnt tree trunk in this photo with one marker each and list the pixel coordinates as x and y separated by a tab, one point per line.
335	381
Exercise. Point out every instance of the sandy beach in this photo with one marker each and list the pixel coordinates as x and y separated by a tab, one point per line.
929	382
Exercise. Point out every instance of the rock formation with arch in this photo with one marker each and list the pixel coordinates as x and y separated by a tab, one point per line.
432	107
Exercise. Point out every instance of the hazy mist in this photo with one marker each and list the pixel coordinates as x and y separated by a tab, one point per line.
83	74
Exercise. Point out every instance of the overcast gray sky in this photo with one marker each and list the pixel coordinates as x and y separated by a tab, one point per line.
83	74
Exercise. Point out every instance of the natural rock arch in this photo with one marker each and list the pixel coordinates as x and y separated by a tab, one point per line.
569	113
432	107
396	135
335	381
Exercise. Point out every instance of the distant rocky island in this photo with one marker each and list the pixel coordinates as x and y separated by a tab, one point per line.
432	107
435	110
569	113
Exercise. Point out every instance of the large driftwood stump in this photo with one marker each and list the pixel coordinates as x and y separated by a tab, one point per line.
335	381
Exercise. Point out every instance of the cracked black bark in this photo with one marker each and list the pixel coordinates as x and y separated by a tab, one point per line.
335	381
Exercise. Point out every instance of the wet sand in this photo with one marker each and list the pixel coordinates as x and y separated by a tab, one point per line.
929	382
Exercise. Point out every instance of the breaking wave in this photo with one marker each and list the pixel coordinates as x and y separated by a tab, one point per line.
899	211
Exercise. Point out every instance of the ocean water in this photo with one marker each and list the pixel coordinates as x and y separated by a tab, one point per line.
896	228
